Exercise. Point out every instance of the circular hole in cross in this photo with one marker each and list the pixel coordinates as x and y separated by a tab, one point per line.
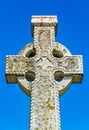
58	76
57	54
31	53
30	76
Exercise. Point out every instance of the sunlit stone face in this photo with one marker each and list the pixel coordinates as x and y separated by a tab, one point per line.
38	69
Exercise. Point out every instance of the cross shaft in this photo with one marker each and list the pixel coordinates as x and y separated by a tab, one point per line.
44	62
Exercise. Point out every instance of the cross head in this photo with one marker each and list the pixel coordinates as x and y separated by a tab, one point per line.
44	70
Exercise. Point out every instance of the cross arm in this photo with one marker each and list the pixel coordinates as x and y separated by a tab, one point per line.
71	66
17	66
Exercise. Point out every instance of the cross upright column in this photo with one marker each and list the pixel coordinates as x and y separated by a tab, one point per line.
45	106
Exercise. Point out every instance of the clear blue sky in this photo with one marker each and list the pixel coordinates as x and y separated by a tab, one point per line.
15	32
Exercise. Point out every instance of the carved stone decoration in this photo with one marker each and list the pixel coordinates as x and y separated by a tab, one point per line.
44	62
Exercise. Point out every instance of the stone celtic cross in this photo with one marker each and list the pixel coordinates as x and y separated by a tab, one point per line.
38	68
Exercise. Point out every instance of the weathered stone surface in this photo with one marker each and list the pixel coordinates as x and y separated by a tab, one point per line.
44	62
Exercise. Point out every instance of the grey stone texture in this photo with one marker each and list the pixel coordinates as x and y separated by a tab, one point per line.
37	69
